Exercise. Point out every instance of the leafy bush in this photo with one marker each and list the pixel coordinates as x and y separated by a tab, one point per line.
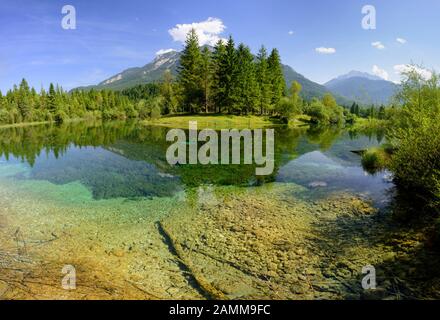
317	112
4	116
415	135
375	160
322	114
155	112
416	161
60	117
286	109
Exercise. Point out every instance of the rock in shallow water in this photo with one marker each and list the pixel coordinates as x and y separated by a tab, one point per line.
318	184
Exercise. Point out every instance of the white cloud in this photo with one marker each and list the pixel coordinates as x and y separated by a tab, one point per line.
208	31
163	51
405	68
323	50
381	73
291	33
401	40
378	45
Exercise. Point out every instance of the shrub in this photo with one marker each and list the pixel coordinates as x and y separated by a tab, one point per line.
317	112
60	117
416	161
375	160
4	116
155	112
286	109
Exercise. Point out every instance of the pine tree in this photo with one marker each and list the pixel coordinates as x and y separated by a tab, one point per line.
276	75
24	100
263	79
381	114
229	74
246	88
206	77
218	89
353	108
167	92
190	73
51	100
357	110
2	101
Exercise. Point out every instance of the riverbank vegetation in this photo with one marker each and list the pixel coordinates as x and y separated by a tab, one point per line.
413	154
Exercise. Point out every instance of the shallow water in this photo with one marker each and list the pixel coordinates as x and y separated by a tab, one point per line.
103	198
119	160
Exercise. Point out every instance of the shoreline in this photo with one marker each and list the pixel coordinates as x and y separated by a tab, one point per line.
38	123
216	121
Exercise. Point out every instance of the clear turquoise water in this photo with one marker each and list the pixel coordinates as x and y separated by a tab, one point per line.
129	160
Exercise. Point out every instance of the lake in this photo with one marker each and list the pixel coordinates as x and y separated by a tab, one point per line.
102	198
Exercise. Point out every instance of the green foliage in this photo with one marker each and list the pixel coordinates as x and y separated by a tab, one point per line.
416	161
206	77
295	91
276	76
190	74
167	91
229	79
414	134
218	84
144	91
329	101
326	111
246	89
24	104
375	160
264	81
156	108
286	109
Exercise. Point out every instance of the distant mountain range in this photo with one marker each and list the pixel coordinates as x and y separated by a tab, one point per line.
355	86
364	88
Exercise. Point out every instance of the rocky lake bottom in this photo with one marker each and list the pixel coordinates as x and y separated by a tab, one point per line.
102	199
207	243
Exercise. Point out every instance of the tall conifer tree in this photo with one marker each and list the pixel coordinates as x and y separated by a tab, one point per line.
263	80
206	77
278	84
190	73
246	89
218	85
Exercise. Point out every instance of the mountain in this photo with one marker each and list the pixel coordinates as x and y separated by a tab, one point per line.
364	88
311	89
153	72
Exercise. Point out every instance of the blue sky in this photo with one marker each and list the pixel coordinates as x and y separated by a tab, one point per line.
115	35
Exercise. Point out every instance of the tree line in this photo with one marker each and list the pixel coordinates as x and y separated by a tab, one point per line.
24	104
229	79
226	79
